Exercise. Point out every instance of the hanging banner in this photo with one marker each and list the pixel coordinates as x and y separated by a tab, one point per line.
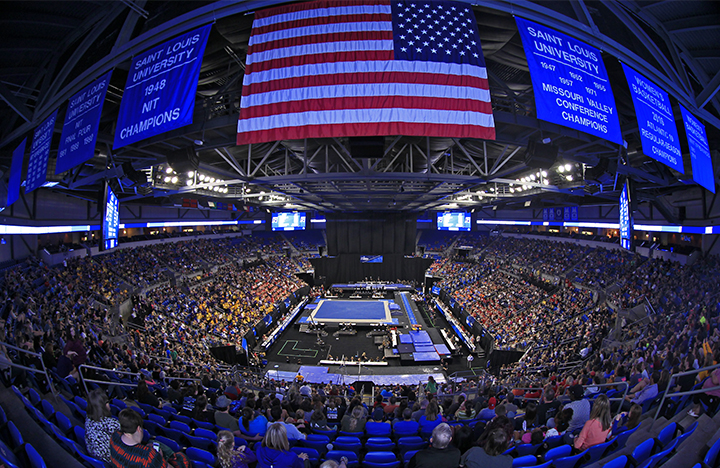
13	192
39	153
159	94
570	82
700	156
82	119
656	123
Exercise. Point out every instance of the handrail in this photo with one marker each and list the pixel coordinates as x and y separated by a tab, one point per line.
106	382
31	369
689	392
611	384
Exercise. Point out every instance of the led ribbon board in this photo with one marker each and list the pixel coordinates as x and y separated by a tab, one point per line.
699	151
159	94
570	82
111	221
77	143
655	120
625	221
453	221
39	153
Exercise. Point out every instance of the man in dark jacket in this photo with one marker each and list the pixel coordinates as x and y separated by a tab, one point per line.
440	454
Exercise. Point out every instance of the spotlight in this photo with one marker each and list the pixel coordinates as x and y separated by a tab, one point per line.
532	177
167	179
569	178
546	182
174	180
544	173
168	170
568	167
189	183
561	169
212	179
191	174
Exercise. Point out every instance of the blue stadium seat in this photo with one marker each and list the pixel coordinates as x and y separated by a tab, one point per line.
408	456
79	432
208	434
642	452
711	458
157	419
412	443
618	443
527	460
119	403
138	411
568	462
36	461
8	457
688	432
527	449
380	460
668	433
377	429
47	408
558	452
92	461
315	441
619	462
203	425
313	455
82	404
597	452
338	454
63	423
68	444
180	426
351	444
152	427
184	419
174	446
660	457
379	444
332	433
16	439
199	442
146	408
203	456
173	434
34	397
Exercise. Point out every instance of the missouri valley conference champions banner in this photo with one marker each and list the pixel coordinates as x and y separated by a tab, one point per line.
39	153
570	82
160	91
82	119
700	156
359	68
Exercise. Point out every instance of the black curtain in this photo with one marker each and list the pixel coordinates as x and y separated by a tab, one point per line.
370	234
348	268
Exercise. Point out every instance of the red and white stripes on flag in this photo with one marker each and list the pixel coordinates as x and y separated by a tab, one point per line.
342	68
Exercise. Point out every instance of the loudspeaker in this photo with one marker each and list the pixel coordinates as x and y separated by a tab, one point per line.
367	147
540	155
184	160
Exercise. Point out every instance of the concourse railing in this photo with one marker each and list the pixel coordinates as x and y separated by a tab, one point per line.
668	394
85	380
34	370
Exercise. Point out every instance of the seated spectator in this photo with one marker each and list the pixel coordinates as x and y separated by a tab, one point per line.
128	451
648	392
627	420
431	418
318	421
562	423
200	411
252	426
548	407
440	454
407	425
145	396
580	407
290	429
465	412
491	455
499	421
99	425
222	415
231	457
274	452
354	422
597	429
174	395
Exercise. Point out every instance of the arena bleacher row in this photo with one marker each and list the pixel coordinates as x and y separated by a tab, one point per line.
563	324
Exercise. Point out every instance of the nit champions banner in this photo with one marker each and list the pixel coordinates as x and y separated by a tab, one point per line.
570	82
82	119
159	94
699	151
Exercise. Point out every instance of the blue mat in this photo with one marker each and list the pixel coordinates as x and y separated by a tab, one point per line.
411	315
420	337
351	310
426	356
310	306
442	350
406	339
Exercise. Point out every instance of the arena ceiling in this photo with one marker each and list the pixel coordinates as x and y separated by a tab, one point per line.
51	49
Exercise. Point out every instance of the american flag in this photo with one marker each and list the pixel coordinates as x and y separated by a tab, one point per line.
365	68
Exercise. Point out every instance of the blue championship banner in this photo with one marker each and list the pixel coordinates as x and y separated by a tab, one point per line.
39	153
569	81
656	123
13	192
77	143
159	94
699	151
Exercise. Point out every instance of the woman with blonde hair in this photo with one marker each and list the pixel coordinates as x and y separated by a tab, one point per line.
598	428
230	457
275	450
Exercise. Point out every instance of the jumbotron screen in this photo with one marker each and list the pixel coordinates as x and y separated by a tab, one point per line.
288	221
454	221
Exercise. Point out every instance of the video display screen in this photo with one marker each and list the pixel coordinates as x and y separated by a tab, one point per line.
454	221
288	221
111	220
625	219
